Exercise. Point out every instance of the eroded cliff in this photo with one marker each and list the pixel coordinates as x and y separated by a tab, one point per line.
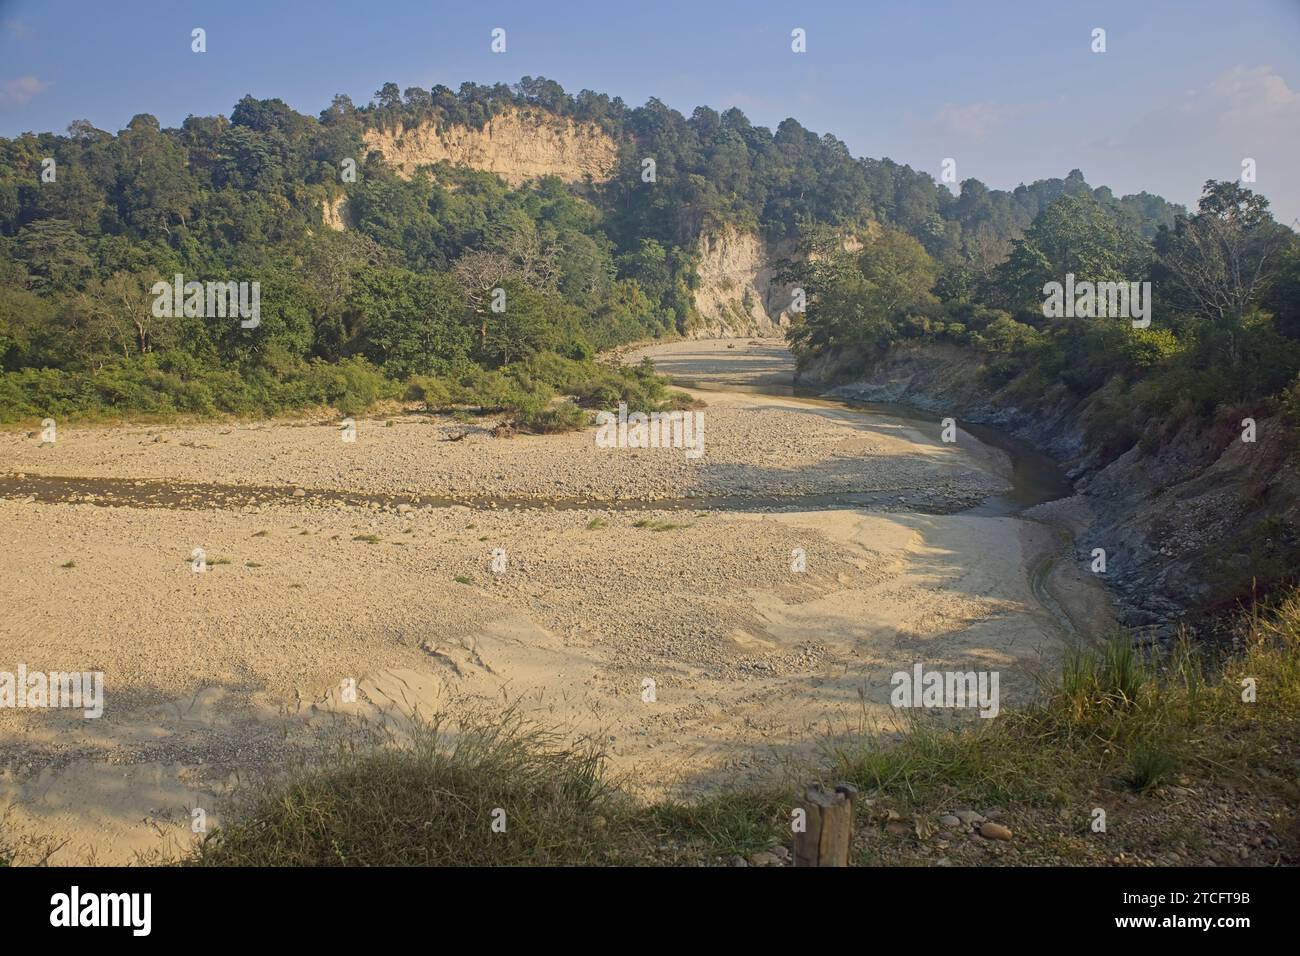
518	145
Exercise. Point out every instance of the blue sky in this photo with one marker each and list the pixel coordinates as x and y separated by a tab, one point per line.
1008	88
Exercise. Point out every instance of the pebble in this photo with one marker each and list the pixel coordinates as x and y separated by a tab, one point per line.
994	831
950	821
969	817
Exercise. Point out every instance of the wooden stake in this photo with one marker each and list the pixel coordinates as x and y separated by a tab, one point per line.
829	831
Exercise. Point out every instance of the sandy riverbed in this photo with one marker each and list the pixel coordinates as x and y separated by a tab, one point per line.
211	676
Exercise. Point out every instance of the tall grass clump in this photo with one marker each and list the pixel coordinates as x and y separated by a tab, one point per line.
1116	716
431	801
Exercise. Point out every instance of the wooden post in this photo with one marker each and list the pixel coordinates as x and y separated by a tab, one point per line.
829	826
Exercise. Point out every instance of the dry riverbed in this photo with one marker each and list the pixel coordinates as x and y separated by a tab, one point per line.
331	562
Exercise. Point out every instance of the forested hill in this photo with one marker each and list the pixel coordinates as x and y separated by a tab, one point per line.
396	288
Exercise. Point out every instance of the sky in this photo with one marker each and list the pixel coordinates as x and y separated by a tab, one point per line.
1010	89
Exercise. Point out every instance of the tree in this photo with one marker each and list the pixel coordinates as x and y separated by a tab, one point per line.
1220	259
57	256
1074	234
119	310
478	273
412	324
859	300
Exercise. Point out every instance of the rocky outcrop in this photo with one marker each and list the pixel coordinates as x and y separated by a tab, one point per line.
737	293
1190	520
334	213
518	145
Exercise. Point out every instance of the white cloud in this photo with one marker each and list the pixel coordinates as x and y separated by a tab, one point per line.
973	121
19	92
1206	132
1254	101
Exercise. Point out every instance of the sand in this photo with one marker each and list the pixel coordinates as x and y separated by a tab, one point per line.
212	678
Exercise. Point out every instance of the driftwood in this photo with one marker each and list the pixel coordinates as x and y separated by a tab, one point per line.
828	829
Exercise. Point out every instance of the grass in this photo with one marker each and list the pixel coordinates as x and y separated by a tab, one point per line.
68	564
655	524
1151	766
367	538
1113	720
434	801
1115	729
463	579
595	524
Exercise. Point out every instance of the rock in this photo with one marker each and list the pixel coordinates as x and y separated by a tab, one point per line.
299	493
781	852
738	861
897	828
763	858
969	817
994	831
403	509
949	821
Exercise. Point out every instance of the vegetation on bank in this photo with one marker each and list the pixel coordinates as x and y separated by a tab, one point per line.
544	393
1223	337
1159	742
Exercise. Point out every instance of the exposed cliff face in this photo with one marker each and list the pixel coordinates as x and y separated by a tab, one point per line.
1187	521
335	213
737	293
517	145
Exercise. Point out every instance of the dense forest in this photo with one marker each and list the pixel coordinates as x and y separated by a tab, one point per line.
400	305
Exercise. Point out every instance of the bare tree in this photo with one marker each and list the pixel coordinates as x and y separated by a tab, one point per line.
1220	258
119	311
479	272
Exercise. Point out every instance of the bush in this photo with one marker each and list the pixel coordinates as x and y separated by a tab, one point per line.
435	393
166	384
